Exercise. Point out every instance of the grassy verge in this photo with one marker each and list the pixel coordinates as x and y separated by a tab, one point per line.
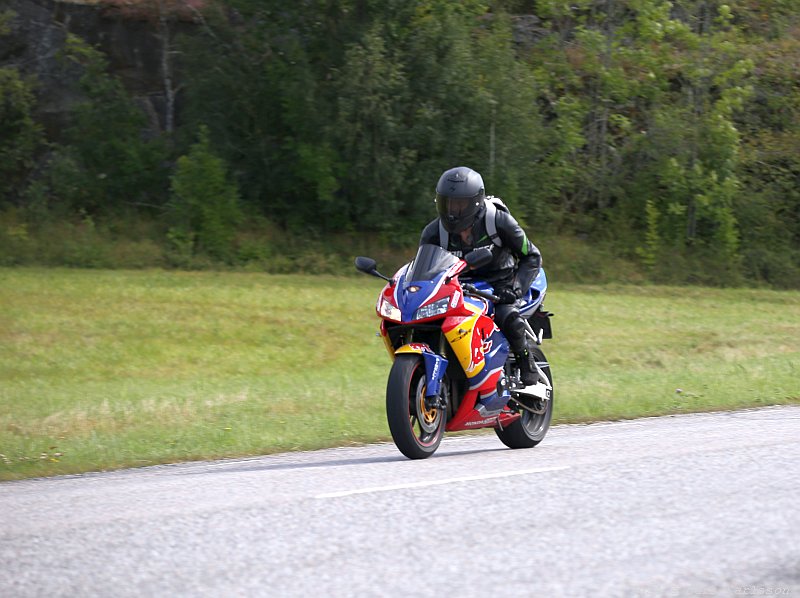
106	369
138	243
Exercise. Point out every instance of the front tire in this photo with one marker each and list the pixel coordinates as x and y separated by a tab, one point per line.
530	429
416	429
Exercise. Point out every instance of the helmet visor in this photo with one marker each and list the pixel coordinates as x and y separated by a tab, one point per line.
457	213
456	207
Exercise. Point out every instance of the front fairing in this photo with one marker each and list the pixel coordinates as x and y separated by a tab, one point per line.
427	281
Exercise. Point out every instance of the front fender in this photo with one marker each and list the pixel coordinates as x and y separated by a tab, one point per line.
435	366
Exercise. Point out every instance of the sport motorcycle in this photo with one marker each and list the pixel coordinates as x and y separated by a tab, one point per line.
452	367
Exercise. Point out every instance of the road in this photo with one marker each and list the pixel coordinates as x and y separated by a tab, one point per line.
694	505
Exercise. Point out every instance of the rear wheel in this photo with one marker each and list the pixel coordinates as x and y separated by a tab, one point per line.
416	428
530	429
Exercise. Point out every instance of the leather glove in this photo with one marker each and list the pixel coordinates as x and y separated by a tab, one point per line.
506	295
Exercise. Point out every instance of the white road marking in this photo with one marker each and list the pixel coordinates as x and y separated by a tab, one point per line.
488	476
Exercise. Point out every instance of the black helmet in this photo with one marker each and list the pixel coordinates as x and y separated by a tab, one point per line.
459	198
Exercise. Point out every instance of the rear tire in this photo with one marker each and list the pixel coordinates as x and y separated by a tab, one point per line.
530	429
416	430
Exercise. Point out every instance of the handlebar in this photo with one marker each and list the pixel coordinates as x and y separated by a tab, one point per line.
470	289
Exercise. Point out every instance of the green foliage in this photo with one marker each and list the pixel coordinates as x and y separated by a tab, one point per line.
649	253
769	166
257	89
663	131
5	21
204	205
370	132
20	135
79	242
105	163
351	136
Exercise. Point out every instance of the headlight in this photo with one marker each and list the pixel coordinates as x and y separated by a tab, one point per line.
390	312
436	308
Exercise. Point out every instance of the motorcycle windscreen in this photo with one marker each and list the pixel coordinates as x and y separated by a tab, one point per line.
430	261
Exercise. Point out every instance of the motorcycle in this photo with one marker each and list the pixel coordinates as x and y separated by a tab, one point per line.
452	366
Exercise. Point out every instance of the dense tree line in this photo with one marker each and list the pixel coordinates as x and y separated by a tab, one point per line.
666	132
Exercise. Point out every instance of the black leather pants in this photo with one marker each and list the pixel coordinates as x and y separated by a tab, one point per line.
510	322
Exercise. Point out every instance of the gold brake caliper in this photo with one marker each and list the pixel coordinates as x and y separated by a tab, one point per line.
429	415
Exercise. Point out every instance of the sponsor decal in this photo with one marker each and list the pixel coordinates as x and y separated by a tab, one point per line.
435	373
482	422
477	356
422	348
461	333
454	300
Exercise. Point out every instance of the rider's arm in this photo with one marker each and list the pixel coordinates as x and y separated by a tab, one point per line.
528	256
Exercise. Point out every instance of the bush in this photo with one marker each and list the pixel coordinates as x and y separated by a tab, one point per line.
79	242
204	205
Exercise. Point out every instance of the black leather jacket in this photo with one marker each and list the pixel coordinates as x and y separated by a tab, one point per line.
516	263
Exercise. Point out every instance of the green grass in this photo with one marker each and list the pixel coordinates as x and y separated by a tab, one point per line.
107	369
623	351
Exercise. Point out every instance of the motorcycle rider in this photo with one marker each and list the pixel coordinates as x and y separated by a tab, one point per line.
461	227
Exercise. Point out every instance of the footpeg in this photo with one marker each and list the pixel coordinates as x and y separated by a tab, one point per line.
538	390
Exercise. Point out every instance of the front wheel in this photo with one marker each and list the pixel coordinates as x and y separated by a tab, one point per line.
530	429
416	429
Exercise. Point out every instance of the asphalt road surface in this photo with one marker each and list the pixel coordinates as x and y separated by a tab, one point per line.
697	505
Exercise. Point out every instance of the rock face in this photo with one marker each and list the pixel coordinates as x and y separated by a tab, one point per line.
133	43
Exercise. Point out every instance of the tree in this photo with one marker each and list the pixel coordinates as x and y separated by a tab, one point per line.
204	205
769	165
105	163
20	135
653	88
693	137
370	133
252	81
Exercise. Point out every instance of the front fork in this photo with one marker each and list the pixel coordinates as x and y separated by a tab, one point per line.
435	368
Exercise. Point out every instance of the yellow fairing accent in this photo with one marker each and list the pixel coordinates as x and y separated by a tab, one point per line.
460	339
409	349
388	344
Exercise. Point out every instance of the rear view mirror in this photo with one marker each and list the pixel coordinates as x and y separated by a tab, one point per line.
369	266
366	265
477	258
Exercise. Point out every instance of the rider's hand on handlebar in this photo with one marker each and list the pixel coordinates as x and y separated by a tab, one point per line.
506	295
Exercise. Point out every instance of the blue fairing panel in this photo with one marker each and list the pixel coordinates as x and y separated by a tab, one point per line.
534	297
530	301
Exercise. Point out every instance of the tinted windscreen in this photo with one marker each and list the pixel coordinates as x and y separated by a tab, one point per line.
430	261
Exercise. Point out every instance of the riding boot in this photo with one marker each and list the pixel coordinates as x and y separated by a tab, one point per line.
514	327
527	371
